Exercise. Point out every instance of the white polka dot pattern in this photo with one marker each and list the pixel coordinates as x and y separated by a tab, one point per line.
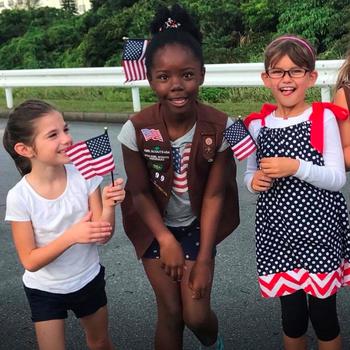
302	232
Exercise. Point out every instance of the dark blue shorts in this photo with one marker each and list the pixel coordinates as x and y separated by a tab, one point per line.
47	306
187	236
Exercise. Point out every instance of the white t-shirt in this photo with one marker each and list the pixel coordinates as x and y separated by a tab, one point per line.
331	176
178	211
79	264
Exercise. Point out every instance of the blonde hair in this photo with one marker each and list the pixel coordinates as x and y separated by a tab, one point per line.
343	73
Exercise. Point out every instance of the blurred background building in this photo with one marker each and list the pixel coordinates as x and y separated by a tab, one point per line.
81	5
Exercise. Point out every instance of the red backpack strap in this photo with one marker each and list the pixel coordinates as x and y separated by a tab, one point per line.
266	109
317	121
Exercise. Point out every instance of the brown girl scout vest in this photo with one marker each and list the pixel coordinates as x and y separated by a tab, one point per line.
154	145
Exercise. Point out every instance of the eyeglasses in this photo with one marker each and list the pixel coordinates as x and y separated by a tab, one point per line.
276	73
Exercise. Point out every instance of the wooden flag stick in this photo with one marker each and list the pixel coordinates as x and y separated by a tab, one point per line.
106	132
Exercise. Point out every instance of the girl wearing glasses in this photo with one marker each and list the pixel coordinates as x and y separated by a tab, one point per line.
302	227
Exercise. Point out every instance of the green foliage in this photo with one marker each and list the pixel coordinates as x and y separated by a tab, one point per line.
259	15
13	24
233	31
320	24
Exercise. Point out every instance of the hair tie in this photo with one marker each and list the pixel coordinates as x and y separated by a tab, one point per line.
169	23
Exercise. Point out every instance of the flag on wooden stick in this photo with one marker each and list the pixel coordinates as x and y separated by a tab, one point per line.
92	157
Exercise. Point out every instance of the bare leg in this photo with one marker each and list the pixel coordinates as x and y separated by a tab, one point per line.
294	343
198	314
170	326
334	344
96	330
50	334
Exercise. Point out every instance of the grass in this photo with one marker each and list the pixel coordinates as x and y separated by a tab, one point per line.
234	101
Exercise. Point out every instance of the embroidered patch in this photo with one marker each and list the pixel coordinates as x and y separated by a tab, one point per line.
152	134
208	141
208	146
157	166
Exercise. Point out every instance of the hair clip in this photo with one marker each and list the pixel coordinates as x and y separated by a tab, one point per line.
169	23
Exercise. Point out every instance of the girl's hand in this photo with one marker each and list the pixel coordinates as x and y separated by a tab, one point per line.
276	167
172	257
113	194
87	231
200	279
261	182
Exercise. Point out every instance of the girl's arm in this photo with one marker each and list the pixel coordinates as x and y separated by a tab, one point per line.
255	180
212	206
344	126
34	258
103	206
171	253
330	177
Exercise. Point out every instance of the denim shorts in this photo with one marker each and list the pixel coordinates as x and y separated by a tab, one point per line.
187	236
47	306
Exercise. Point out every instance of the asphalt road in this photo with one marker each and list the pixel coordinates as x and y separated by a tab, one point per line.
247	321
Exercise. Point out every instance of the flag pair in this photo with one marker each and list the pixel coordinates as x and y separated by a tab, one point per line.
237	135
92	157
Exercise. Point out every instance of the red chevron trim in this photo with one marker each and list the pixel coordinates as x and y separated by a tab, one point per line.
320	285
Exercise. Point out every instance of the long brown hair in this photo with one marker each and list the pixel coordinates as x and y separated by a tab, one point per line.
343	73
20	128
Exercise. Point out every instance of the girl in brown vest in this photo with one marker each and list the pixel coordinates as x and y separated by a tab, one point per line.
342	98
181	194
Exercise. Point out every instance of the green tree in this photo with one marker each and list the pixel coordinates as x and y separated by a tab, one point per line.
320	21
13	23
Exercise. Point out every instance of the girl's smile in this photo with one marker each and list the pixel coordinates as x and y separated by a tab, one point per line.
289	92
176	78
51	140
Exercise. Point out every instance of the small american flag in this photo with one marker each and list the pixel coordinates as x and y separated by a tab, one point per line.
180	164
240	140
152	134
92	157
134	59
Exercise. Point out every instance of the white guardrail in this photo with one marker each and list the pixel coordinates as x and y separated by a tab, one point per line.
218	75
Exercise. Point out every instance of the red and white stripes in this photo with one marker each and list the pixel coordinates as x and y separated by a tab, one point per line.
320	285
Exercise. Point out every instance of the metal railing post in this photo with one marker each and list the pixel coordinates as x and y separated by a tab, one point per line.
325	94
136	99
9	97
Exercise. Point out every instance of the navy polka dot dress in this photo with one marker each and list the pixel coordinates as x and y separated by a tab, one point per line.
302	231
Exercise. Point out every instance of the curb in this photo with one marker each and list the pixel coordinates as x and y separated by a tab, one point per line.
88	116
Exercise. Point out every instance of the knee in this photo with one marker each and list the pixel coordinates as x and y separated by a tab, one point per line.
101	343
196	321
295	327
170	315
295	315
324	318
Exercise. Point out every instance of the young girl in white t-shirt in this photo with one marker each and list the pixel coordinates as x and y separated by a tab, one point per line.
57	220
